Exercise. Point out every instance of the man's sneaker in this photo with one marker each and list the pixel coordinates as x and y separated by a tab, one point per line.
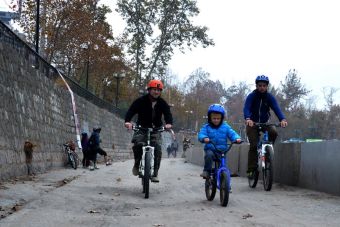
135	170
91	167
154	179
250	174
108	163
205	174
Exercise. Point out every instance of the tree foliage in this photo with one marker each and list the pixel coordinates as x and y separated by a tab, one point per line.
76	38
155	29
293	91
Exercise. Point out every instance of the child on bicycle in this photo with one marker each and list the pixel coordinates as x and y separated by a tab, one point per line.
216	131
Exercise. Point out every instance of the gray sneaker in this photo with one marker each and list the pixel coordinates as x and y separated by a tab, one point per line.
135	170
154	179
205	174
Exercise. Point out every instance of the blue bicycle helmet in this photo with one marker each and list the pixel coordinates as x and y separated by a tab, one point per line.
262	78
216	108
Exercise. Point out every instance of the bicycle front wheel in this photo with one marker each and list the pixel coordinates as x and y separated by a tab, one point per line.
224	189
147	174
268	170
210	188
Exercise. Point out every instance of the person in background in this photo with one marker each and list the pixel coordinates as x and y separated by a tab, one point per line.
94	148
85	149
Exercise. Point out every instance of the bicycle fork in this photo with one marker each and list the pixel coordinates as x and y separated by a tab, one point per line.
147	149
263	153
223	168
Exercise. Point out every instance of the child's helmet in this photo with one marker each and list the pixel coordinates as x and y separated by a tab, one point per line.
262	78
216	108
155	84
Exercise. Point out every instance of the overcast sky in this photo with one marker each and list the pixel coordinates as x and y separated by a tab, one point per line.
264	37
269	37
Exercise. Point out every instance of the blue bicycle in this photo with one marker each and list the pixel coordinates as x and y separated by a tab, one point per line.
219	177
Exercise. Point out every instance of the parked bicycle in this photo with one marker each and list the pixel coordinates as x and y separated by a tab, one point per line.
146	166
265	153
219	177
72	157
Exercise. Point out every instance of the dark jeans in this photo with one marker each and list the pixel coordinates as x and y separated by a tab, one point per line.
253	137
92	153
208	160
139	139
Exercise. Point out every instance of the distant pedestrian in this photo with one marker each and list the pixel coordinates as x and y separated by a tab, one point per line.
28	149
94	148
85	149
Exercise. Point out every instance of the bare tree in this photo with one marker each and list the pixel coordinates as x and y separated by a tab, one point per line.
328	94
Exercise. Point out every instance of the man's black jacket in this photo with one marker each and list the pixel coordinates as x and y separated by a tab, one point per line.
146	118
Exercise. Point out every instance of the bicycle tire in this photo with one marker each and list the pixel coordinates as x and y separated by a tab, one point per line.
224	189
72	161
147	173
253	181
143	184
268	170
210	188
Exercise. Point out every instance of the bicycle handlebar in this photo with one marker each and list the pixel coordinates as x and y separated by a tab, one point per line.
158	129
267	124
229	145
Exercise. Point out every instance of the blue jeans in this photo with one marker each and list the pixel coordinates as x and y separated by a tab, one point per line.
208	160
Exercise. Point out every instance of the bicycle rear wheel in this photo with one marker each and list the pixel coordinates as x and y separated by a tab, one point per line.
147	174
267	171
224	189
210	188
252	181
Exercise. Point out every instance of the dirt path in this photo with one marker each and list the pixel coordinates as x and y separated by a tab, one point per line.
111	196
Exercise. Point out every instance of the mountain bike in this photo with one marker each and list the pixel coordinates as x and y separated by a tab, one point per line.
219	177
265	154
72	157
146	166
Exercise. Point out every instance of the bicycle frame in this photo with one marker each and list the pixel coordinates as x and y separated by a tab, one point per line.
265	152
146	167
261	149
219	177
220	168
263	143
72	156
147	149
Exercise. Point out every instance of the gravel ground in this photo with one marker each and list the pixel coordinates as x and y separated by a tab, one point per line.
111	196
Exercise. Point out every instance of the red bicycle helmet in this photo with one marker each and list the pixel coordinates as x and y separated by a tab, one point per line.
155	84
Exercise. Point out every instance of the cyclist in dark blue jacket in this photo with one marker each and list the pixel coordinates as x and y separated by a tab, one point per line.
257	109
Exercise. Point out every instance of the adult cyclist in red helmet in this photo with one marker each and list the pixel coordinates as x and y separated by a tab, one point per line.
150	109
257	109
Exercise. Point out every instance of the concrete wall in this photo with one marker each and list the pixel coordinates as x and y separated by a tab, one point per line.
36	106
307	165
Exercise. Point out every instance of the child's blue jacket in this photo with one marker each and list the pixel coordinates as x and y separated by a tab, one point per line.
218	136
